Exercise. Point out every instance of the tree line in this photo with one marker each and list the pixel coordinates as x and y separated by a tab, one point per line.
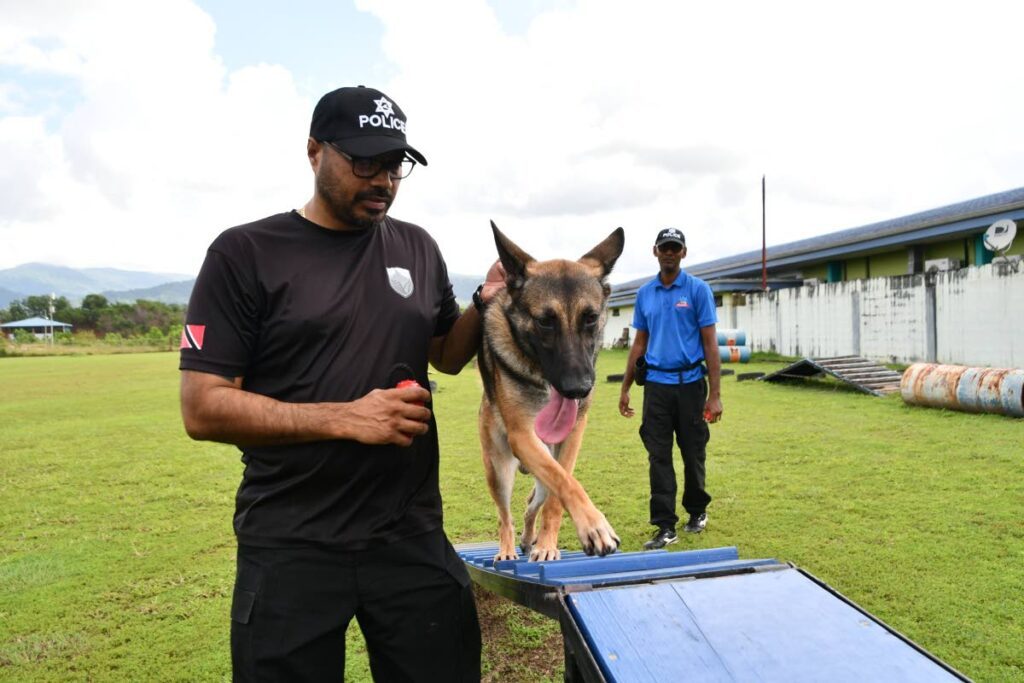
149	322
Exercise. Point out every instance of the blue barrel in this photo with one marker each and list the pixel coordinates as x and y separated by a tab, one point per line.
734	354
729	337
956	387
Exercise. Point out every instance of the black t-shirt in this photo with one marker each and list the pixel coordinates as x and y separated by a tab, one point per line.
307	314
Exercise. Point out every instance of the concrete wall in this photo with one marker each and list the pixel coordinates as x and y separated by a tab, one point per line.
893	319
980	316
614	325
972	316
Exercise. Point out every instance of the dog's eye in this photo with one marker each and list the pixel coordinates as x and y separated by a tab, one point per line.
590	319
546	321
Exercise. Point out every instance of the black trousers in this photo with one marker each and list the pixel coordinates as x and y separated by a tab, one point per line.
675	410
412	600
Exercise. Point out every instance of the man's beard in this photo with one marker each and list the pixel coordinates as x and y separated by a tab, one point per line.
343	211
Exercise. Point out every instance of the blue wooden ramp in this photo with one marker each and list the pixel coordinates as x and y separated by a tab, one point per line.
703	615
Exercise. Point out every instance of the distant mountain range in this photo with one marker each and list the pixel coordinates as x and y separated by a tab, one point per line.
126	286
41	279
167	293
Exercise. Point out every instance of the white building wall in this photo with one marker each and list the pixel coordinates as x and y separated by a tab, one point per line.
614	325
972	316
893	319
759	318
821	324
980	316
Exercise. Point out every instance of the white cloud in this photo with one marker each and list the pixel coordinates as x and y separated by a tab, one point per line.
161	149
597	115
668	113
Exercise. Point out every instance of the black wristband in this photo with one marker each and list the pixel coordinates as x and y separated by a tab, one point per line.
478	299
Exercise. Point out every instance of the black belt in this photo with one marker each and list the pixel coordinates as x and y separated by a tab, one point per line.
640	374
685	368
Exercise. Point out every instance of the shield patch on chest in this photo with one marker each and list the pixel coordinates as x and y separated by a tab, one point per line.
400	281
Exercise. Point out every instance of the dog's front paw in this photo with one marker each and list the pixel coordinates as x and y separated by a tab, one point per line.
598	538
506	554
526	543
539	554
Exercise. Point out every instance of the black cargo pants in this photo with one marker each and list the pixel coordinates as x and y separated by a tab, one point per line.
675	411
412	599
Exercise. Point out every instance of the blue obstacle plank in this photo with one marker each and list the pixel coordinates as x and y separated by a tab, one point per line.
484	557
675	571
524	566
471	546
537	569
634	562
771	626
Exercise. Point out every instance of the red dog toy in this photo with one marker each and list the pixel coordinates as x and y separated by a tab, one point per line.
408	383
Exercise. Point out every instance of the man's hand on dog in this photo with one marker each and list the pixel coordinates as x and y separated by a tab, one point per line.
494	282
390	416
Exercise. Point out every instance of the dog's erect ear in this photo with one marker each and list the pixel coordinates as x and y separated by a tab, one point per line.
512	257
601	259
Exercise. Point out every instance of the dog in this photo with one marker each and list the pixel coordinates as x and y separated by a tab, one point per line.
541	336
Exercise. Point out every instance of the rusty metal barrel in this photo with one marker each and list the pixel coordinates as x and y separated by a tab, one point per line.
958	387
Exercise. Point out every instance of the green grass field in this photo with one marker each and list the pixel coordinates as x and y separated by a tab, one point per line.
117	554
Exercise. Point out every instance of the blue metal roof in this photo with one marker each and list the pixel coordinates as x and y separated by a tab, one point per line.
954	220
624	295
35	322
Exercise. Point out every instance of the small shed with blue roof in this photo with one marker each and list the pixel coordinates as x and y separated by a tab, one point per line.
42	328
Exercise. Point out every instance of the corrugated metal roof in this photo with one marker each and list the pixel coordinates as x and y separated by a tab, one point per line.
946	221
36	322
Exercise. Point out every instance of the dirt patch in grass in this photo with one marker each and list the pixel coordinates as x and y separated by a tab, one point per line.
519	645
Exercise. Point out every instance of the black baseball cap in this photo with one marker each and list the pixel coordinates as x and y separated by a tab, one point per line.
670	235
362	122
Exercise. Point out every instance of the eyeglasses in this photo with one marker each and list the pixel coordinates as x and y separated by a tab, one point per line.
369	167
670	247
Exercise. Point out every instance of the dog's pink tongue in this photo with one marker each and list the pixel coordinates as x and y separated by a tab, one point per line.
556	419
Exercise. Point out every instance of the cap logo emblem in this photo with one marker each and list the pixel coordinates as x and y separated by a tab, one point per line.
384	117
400	281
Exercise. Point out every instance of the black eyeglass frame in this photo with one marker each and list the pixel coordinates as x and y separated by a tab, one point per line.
369	167
670	247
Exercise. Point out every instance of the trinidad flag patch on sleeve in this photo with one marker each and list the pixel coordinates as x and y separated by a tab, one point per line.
192	337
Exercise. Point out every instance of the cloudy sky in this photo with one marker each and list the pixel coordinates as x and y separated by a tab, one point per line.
132	132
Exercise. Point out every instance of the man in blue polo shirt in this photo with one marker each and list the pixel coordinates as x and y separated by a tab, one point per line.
675	335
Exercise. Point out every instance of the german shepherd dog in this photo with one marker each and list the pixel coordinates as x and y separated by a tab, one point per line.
541	335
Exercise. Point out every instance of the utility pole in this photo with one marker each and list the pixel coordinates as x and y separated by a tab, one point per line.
53	297
764	246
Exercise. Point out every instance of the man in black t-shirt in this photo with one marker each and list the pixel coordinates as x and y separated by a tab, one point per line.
298	329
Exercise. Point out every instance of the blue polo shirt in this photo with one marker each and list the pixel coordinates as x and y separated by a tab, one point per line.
672	316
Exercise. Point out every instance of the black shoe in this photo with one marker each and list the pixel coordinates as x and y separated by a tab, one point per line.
696	523
661	538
